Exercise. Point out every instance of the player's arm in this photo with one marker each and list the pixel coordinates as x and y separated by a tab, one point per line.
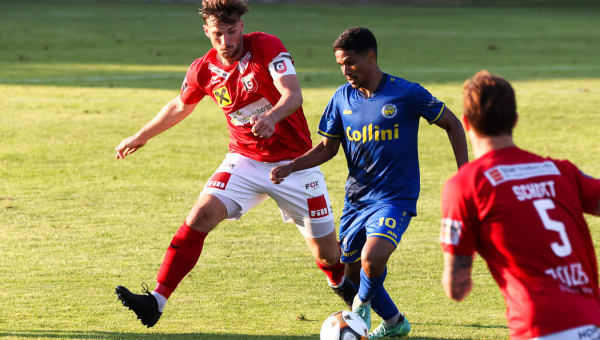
456	135
456	279
319	154
290	101
171	114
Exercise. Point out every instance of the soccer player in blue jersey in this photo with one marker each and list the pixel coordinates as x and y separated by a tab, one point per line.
375	117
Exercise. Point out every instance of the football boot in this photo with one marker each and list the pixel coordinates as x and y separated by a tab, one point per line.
364	311
401	329
144	306
346	292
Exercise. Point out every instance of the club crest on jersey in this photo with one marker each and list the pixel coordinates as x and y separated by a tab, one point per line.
280	66
222	96
250	84
389	110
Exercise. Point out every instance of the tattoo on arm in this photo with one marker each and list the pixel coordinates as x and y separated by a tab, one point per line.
457	276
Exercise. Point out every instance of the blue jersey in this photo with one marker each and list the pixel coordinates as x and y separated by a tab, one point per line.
379	137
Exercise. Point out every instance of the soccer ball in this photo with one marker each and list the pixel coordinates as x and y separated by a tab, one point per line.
344	326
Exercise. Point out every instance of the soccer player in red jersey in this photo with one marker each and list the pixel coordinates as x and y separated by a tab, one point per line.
252	78
523	214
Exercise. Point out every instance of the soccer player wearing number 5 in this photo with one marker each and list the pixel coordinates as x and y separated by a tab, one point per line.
252	78
523	214
375	117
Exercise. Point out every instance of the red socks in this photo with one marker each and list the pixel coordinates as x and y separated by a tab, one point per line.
334	273
181	257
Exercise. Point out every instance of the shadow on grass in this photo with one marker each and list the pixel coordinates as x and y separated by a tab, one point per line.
473	325
196	336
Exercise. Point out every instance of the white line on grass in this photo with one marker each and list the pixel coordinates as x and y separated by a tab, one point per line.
300	72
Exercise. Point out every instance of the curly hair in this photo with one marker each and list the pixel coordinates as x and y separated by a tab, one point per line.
357	39
489	104
226	11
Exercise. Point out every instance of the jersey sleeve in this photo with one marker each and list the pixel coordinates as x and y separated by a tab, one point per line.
425	105
331	125
458	231
276	57
191	91
588	188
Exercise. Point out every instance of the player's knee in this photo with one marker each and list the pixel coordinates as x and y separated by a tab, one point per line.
204	219
329	258
373	265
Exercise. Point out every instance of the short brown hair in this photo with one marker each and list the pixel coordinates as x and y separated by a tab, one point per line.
226	11
489	104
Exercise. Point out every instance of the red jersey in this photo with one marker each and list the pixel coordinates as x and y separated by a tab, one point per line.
524	215
245	89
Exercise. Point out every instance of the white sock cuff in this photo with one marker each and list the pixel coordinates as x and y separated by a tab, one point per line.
162	301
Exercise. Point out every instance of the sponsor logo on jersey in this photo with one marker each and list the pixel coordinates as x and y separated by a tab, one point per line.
347	112
184	86
250	84
215	79
243	64
502	173
451	231
229	166
280	66
222	96
371	133
317	206
218	71
389	110
243	115
434	101
311	185
219	180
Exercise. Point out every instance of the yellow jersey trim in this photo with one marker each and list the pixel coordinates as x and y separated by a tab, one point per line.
384	235
439	114
328	135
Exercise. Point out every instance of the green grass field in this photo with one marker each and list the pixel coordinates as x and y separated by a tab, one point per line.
78	77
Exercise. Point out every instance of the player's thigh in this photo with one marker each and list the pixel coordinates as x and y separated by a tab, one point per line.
240	180
303	200
353	234
324	249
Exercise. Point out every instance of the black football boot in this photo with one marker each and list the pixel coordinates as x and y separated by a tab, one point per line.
145	305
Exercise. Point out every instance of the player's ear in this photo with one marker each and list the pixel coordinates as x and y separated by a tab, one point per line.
516	120
206	30
242	25
465	122
371	57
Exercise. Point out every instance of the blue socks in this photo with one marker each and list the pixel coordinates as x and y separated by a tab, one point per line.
372	289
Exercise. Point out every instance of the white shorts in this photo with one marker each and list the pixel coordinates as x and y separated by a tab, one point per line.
302	197
587	332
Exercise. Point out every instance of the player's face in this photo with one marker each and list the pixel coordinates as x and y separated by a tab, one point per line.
355	67
225	38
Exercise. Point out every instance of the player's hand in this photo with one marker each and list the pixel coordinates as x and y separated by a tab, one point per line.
128	146
278	173
263	126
